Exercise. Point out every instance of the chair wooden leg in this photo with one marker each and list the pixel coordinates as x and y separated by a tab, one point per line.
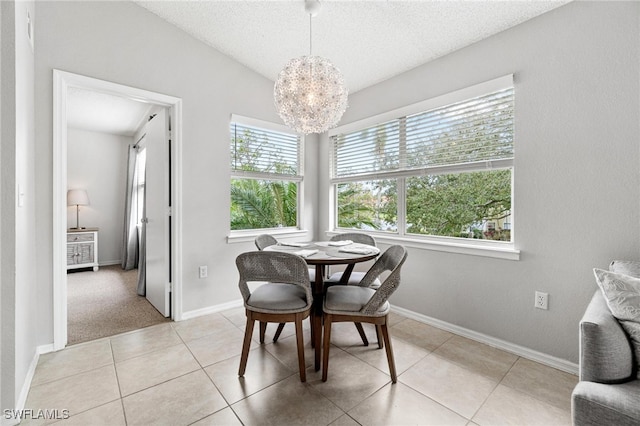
362	335
379	336
325	349
248	332
390	359
300	342
317	338
278	331
263	328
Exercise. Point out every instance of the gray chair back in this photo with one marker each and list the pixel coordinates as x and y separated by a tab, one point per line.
275	267
391	260
265	240
356	237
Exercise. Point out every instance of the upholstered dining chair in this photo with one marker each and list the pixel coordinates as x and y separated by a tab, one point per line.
263	241
356	276
360	303
285	297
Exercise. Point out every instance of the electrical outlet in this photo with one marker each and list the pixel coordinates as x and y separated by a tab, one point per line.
202	271
542	300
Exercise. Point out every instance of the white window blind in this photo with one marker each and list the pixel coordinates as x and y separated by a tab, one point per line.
477	131
266	175
264	153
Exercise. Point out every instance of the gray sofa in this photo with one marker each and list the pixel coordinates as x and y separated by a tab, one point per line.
609	391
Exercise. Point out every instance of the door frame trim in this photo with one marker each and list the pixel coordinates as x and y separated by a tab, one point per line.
63	80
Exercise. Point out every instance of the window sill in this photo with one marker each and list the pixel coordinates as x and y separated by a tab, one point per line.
493	250
249	235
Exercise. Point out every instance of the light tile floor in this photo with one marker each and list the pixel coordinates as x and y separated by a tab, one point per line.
186	374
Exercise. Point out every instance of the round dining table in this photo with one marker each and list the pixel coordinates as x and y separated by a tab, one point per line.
322	254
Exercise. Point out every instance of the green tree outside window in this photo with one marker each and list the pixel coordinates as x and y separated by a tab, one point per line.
271	202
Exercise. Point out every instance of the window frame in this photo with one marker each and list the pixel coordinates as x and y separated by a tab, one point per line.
487	248
244	235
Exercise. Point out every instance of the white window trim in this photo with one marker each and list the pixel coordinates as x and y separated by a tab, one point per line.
247	235
267	125
493	249
448	98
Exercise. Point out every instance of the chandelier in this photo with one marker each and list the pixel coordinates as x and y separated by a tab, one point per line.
310	94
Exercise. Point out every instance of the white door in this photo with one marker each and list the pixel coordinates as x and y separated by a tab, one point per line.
157	213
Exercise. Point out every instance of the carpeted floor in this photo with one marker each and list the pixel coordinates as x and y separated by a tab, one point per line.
105	303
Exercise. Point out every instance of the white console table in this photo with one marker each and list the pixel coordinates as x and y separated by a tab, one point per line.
82	248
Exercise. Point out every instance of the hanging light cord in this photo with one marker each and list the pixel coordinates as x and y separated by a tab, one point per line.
310	32
313	102
310	45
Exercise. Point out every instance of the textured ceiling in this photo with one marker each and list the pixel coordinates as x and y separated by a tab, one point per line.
368	40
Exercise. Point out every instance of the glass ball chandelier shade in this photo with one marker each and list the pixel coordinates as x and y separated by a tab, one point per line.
310	94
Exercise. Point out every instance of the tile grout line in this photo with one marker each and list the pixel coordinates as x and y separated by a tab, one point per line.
70	375
257	346
210	380
306	384
434	400
115	370
524	392
93	369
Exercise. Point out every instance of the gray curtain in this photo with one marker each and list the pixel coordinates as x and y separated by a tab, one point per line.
130	240
133	242
142	264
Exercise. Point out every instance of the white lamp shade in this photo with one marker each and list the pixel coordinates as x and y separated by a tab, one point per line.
77	197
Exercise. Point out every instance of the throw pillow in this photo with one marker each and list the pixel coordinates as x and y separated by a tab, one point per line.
626	267
622	293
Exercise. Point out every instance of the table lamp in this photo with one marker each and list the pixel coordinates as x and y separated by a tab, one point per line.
77	197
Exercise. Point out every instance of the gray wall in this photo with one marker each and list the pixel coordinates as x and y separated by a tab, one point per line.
7	206
576	178
577	185
20	315
27	287
124	43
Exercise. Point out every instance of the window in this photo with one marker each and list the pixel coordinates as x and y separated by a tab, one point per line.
266	171
441	168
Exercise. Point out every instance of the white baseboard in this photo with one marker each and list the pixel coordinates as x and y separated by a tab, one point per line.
24	392
26	386
542	358
522	351
212	309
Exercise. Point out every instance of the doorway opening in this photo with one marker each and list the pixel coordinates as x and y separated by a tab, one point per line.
105	303
164	224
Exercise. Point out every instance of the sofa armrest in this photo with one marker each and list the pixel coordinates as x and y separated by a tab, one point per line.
606	355
597	404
